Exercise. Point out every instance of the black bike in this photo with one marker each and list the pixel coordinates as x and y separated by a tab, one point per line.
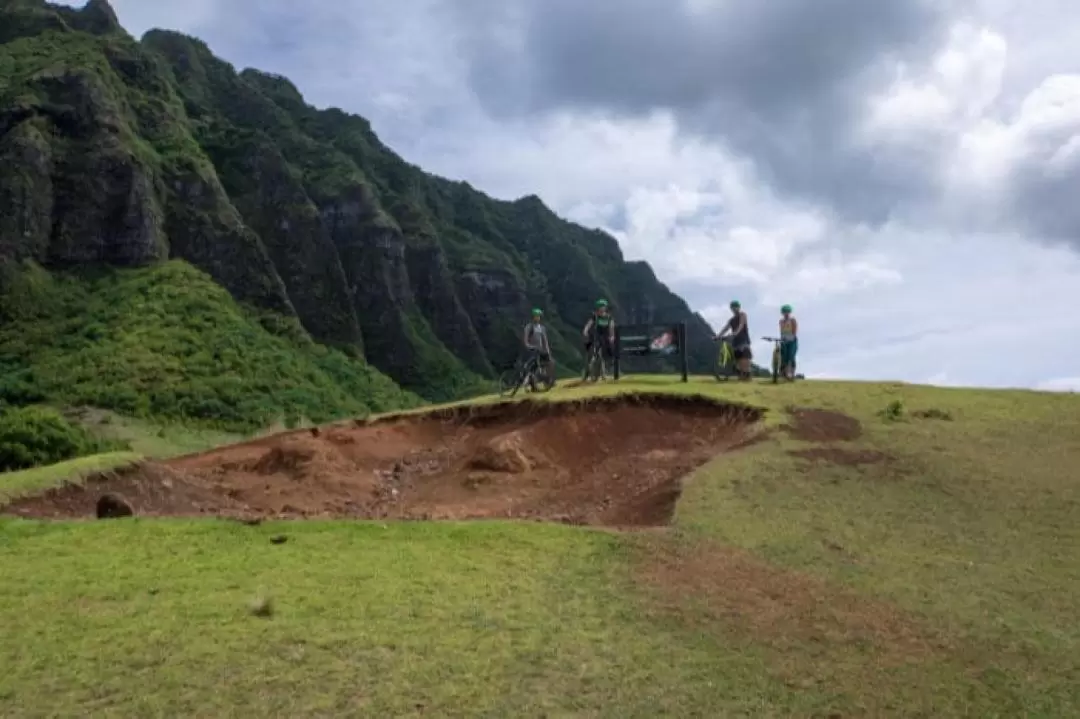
595	367
531	373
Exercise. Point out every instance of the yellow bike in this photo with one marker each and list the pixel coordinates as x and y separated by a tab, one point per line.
725	365
776	357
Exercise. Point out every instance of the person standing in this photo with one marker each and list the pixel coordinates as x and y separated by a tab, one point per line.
739	329
536	341
789	342
599	330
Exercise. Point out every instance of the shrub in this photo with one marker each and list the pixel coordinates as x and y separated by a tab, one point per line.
894	411
34	436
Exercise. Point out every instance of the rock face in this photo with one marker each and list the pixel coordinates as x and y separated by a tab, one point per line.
123	152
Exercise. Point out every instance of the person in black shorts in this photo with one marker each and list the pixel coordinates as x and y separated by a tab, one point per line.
739	329
600	328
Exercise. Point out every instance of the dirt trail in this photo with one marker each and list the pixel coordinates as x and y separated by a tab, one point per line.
613	461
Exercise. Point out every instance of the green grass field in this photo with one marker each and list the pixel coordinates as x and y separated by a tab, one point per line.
940	577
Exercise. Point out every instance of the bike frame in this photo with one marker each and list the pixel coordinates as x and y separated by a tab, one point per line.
776	357
595	357
529	369
725	366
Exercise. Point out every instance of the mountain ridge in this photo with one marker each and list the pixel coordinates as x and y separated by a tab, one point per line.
130	153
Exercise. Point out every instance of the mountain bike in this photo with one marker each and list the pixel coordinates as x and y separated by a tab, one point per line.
776	355
531	373
725	365
595	367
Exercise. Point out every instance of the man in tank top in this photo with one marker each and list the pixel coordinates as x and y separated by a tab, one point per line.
739	329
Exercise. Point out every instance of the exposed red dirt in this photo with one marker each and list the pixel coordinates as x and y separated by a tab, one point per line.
843	457
613	461
782	606
812	633
822	425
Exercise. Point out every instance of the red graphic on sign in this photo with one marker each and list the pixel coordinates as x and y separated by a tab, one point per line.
661	342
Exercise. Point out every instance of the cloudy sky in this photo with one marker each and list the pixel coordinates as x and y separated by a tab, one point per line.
906	173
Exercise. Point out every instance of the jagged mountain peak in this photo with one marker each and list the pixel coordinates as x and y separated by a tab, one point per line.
159	150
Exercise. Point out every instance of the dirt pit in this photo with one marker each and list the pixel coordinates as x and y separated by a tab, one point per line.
615	461
822	425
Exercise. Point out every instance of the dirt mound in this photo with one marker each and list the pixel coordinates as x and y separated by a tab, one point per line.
505	453
845	457
822	425
612	461
141	487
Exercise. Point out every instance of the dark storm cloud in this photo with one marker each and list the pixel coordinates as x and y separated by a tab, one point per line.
778	79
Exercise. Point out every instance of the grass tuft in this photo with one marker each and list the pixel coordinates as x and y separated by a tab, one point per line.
29	481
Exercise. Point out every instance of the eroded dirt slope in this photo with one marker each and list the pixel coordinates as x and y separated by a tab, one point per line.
614	461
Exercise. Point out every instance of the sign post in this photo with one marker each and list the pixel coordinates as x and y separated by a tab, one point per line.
657	341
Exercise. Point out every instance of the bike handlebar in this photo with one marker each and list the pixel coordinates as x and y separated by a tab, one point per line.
773	339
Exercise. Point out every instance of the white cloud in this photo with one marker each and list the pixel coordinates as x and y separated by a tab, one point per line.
1045	131
960	84
945	291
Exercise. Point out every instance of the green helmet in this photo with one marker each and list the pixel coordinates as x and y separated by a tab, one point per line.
601	303
786	309
735	304
537	312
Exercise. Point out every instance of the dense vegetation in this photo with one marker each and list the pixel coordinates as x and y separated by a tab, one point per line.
33	436
165	341
128	154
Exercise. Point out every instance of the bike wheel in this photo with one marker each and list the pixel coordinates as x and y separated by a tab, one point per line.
596	366
589	374
776	365
542	381
508	382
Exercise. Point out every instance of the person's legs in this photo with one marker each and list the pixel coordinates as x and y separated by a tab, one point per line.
529	367
792	351
743	356
787	358
607	353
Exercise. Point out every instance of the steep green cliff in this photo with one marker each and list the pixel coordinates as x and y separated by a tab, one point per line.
124	153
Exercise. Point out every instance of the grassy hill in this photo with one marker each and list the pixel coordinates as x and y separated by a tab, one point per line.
129	153
166	342
883	550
